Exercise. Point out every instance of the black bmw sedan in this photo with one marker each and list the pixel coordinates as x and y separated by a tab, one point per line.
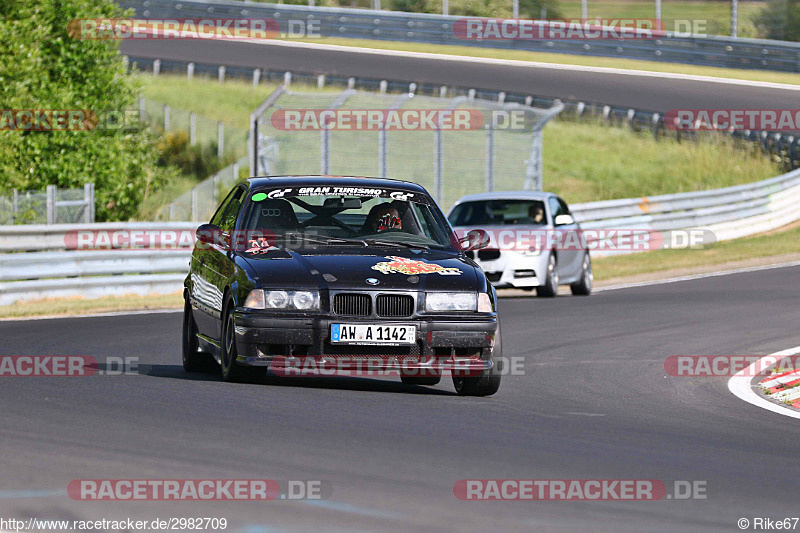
340	275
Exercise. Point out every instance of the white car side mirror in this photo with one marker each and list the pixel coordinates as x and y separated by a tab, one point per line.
564	220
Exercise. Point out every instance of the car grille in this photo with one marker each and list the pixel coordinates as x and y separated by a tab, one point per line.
494	277
488	255
368	351
392	305
352	304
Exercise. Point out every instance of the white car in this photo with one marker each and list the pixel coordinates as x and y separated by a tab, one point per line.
534	241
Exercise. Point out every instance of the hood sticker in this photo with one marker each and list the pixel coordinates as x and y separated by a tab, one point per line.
260	246
410	267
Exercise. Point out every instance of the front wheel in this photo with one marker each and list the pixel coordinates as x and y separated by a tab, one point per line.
192	358
583	287
550	287
231	370
488	382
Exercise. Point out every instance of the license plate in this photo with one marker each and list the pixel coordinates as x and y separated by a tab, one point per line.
373	334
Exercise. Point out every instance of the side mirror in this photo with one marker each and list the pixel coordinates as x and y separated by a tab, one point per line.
564	220
476	239
212	234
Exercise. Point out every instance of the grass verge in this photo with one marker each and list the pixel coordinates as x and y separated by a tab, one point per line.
78	306
778	243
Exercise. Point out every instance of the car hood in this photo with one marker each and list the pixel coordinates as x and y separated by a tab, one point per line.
392	268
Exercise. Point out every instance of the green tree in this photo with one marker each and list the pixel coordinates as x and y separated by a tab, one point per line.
43	67
779	20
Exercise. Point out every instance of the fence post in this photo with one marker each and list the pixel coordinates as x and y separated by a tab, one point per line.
216	188
533	172
438	161
142	110
445	7
171	211
194	204
515	9
235	172
51	204
490	156
190	70
220	139
382	153
14	205
324	151
156	67
88	197
166	117
256	77
192	128
221	73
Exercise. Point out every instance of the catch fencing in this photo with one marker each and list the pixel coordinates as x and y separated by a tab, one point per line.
51	206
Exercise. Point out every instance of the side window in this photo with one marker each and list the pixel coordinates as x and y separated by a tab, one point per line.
555	207
217	218
231	211
564	208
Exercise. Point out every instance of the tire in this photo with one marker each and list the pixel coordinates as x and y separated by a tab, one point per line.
193	359
550	287
488	382
420	380
583	287
231	370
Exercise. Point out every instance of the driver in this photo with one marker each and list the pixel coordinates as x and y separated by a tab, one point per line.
536	213
383	217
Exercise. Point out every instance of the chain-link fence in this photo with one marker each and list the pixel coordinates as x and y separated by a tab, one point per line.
495	143
52	206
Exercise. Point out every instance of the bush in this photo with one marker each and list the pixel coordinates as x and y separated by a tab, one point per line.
43	67
780	20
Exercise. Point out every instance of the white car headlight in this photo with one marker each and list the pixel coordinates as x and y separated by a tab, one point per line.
297	300
451	301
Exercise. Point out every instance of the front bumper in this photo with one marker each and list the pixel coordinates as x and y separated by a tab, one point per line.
440	341
514	270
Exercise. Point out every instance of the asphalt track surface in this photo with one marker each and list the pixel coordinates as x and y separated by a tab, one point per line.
640	92
594	403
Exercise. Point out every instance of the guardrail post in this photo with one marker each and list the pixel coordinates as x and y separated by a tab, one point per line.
351	83
383	85
88	197
256	77
156	67
192	128
528	100
287	78
412	88
320	81
220	139
490	156
190	71
501	97
166	117
221	73
443	91
51	204
471	94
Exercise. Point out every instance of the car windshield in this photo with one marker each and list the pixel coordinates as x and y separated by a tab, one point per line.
499	212
392	220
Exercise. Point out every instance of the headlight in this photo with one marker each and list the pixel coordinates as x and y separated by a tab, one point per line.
451	301
292	300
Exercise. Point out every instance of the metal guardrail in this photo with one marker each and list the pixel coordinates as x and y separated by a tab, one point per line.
50	270
717	51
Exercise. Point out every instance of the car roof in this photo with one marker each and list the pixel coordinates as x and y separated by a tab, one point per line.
348	181
505	195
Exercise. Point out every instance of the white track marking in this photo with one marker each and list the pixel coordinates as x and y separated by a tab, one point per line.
696	276
739	385
525	64
94	315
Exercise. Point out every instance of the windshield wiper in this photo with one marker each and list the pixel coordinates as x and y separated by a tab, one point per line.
325	240
376	242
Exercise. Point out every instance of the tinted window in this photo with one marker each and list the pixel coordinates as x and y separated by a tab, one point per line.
498	212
